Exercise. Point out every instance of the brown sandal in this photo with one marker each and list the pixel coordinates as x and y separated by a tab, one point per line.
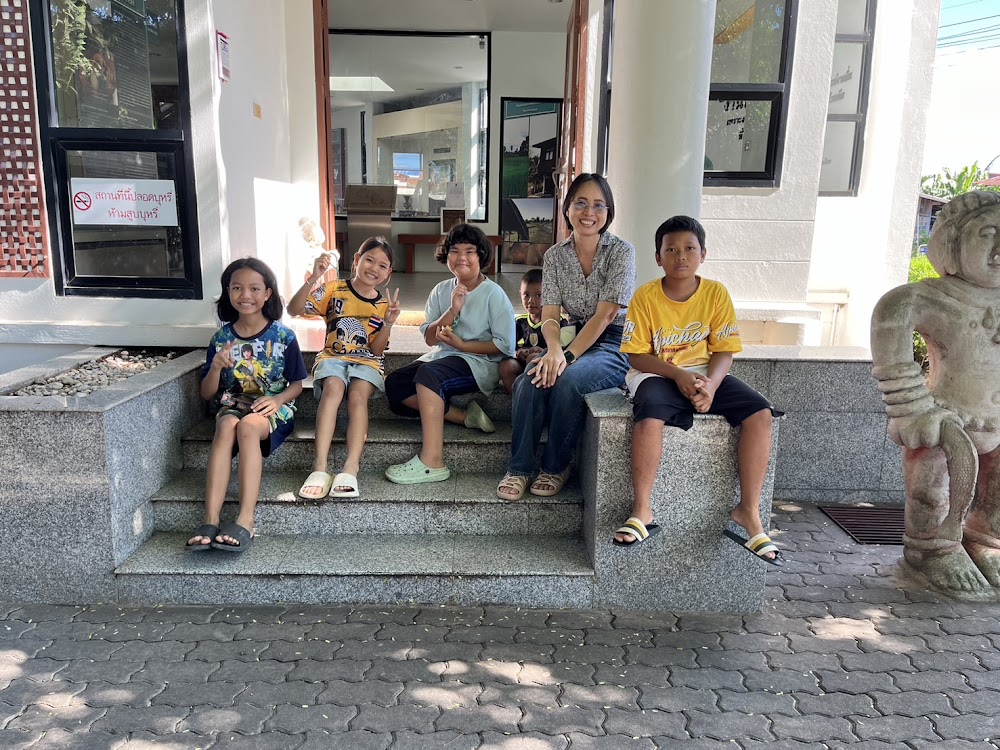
512	482
547	485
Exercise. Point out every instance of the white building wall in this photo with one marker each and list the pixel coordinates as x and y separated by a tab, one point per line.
862	244
252	177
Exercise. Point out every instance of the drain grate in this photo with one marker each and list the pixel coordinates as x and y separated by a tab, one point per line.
868	525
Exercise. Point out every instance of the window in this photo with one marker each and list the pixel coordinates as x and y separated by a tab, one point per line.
748	98
115	126
424	106
844	143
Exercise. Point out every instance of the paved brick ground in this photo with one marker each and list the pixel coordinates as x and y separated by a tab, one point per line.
845	655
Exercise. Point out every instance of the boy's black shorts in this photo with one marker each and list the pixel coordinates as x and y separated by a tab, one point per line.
447	377
660	398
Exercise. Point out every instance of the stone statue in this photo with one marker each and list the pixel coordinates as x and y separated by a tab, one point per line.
948	422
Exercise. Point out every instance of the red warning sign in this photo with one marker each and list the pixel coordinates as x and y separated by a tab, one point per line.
82	201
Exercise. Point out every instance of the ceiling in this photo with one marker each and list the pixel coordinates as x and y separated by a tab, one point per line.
450	15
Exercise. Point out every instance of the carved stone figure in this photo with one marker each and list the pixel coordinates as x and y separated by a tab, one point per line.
948	422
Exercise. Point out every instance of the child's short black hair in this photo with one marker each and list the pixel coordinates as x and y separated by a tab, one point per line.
378	242
273	308
602	184
680	224
462	234
534	276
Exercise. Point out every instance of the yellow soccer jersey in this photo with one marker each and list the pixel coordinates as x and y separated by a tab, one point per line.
351	322
685	334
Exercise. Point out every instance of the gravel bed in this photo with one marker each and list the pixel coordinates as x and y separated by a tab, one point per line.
92	376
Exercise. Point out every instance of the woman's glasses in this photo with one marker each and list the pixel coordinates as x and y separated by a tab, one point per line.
581	206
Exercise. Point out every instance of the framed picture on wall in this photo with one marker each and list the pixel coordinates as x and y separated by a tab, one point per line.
529	153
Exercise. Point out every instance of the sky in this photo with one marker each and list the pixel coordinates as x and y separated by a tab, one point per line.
963	118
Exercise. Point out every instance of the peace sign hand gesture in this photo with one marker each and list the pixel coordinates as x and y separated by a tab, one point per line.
392	312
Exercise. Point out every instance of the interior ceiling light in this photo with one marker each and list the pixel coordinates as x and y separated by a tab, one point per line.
358	83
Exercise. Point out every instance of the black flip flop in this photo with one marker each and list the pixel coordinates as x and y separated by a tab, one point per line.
758	546
208	530
237	532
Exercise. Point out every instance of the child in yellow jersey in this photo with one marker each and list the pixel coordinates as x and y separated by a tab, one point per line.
680	336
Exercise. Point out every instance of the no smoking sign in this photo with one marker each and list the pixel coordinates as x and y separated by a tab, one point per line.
82	201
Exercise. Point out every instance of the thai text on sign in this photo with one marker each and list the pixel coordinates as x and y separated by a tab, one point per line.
124	202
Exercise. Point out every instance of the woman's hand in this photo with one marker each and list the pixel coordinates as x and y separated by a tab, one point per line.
266	406
392	312
458	295
446	335
549	367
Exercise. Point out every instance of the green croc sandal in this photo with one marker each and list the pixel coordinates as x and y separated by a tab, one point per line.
415	471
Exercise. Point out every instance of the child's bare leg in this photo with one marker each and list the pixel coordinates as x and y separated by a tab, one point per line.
220	464
358	396
249	432
455	415
432	416
753	452
509	370
647	448
326	420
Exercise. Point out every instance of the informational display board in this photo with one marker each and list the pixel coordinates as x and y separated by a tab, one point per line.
124	202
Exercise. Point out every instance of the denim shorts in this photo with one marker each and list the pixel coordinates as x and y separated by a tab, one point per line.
338	368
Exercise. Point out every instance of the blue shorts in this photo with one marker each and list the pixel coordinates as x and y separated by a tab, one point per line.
346	371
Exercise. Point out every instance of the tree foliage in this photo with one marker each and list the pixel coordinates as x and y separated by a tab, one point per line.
948	183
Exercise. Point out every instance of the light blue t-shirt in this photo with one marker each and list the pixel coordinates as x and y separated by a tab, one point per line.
486	316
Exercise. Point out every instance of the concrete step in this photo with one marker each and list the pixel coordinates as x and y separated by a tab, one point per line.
390	441
525	570
497	405
464	504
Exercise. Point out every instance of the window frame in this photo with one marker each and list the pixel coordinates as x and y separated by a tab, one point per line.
56	140
866	40
366	178
775	93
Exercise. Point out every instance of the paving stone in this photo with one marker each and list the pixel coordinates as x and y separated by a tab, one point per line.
894	728
395	718
450	740
954	744
835	704
163	672
15	665
320	671
756	702
518	617
106	694
215	693
639	620
16	739
398	615
261	631
150	632
599	696
812	728
267	670
708	678
984	680
677	699
99	671
71	631
11	630
299	719
365	650
60	739
754	642
159	719
908	626
781	681
406	633
295	692
915	704
506	652
631	675
788	745
482	634
803	643
489	718
986	702
523	741
883	662
969	625
732	661
618	637
46	612
807	662
348	631
503	694
190	632
351	740
958	643
948	661
661	656
43	718
173	741
336	614
8	712
241	718
970	727
177	613
683	639
408	671
651	723
729	726
160	651
856	682
26	692
932	682
262	741
580	619
446	695
610	742
298	650
70	650
227	651
446	615
776	624
553	636
588	654
267	613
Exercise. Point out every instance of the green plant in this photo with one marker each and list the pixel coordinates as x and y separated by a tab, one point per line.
948	184
920	269
69	43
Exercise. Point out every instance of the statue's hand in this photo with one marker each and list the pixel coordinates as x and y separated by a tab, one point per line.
921	430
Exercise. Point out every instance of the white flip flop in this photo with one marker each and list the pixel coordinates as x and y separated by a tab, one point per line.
343	479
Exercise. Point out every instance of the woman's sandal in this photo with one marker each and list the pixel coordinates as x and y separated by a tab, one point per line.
547	485
513	482
206	530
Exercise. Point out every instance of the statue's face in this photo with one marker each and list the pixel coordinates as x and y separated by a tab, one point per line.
980	247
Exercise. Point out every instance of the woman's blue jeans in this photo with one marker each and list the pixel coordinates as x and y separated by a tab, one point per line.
561	408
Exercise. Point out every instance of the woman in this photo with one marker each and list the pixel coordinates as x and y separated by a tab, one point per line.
590	275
